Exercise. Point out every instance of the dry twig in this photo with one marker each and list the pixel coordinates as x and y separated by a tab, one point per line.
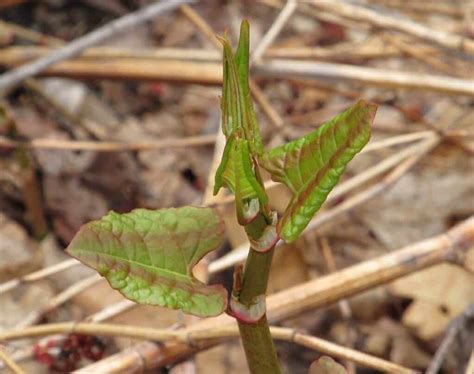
453	330
16	76
59	299
9	363
37	275
282	68
210	73
359	13
343	304
105	146
273	32
187	336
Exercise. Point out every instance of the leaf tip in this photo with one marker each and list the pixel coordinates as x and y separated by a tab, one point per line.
370	109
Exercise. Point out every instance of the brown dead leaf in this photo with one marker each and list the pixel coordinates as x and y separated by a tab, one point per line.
225	358
469	260
440	293
71	204
390	336
18	253
288	269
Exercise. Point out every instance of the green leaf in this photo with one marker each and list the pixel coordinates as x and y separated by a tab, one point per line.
148	255
238	115
250	118
237	173
311	166
238	169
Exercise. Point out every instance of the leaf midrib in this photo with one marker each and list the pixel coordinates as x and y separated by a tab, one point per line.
163	272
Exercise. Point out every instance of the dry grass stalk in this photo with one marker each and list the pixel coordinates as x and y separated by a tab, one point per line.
414	52
187	337
104	146
9	363
273	32
62	297
283	68
210	73
404	25
108	312
37	275
343	304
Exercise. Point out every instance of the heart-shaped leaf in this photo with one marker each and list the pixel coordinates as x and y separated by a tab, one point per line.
311	166
148	255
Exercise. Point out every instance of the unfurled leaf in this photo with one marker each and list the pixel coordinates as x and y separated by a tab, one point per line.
326	365
149	255
311	166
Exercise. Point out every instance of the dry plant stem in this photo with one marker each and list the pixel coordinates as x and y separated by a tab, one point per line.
104	146
256	338
30	35
59	299
273	32
413	51
16	76
453	10
444	39
344	307
37	275
210	73
183	335
112	310
9	363
282	68
345	51
314	294
108	312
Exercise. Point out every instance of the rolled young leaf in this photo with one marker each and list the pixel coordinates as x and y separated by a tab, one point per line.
311	166
148	255
238	168
249	117
236	171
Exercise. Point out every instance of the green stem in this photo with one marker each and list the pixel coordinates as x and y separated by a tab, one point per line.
256	338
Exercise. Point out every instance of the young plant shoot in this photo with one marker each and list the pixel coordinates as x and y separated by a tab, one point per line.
149	255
